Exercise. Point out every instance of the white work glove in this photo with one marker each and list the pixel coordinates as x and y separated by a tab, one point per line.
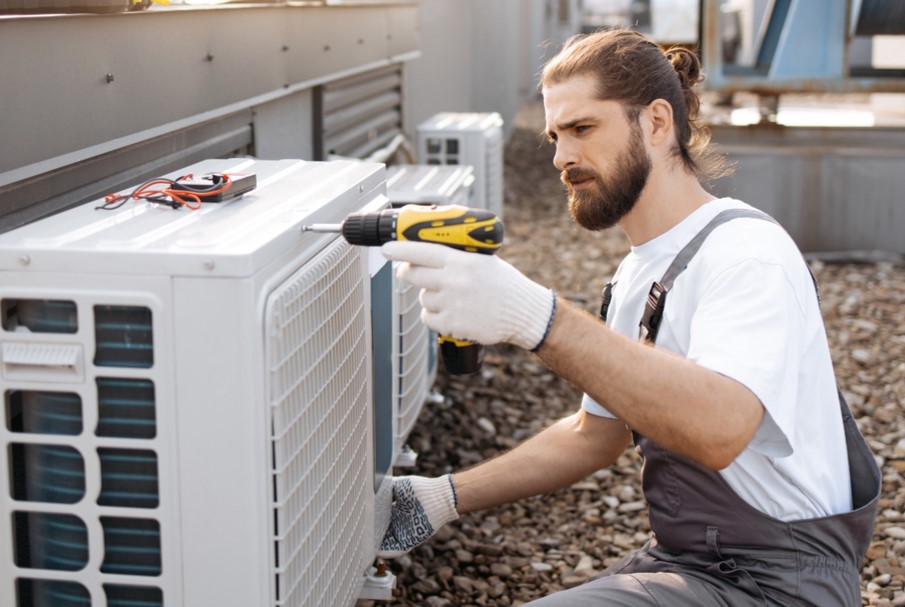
473	296
420	507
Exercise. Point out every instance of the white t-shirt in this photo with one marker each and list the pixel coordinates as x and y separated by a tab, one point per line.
746	307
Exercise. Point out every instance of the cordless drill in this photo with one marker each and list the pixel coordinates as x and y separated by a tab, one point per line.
456	226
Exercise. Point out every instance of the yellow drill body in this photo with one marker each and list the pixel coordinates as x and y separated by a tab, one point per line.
456	226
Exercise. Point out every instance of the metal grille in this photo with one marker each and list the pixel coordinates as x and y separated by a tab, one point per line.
414	344
356	116
493	170
58	455
317	351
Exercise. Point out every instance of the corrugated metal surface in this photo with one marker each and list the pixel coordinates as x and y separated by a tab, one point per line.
356	116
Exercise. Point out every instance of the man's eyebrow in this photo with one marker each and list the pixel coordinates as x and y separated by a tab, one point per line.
565	126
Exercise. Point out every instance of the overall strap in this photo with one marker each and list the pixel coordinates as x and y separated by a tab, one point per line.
656	298
679	263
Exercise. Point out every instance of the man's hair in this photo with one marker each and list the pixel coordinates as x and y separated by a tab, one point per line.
635	71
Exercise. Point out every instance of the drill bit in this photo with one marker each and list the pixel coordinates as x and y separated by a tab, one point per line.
323	227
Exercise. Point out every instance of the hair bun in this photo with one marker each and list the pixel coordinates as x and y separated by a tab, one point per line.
686	64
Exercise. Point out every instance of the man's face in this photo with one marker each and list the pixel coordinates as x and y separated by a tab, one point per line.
601	154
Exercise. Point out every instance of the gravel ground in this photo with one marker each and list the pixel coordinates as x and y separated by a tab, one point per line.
513	554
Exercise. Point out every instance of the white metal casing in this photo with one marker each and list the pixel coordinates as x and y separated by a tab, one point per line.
471	138
431	184
261	474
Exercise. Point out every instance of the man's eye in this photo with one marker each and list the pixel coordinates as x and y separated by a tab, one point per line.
582	128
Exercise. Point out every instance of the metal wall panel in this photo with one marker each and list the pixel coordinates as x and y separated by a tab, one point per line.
283	128
80	82
481	56
833	189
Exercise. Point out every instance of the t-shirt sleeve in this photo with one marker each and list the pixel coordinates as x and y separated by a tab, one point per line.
594	408
749	326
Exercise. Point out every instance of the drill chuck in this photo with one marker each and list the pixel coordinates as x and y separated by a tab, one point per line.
369	229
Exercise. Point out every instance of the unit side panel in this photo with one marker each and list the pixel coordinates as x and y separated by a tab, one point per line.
224	472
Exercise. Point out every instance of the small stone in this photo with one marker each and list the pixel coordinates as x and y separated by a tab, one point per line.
635	506
542	567
585	566
488	549
445	573
463	583
487	426
427	586
862	356
571	581
586	485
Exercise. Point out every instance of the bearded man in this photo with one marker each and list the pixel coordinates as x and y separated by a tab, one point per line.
760	488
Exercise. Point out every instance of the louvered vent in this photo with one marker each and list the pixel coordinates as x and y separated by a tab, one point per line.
58	451
356	116
317	355
414	361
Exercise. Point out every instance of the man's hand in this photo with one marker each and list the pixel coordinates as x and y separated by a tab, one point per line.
420	507
476	297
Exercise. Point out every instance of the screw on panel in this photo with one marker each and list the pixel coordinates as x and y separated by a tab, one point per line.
109	78
361	188
209	265
209	57
24	260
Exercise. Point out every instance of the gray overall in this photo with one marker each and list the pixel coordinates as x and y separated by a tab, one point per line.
709	547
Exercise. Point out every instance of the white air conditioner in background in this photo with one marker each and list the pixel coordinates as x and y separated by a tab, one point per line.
188	416
474	139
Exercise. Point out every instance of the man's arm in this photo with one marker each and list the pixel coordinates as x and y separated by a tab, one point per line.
557	457
678	404
681	406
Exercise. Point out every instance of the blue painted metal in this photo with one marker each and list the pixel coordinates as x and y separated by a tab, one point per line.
804	49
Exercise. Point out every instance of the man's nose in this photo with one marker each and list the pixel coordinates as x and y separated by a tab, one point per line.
565	156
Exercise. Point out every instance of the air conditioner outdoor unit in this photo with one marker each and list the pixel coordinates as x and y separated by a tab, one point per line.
188	399
474	139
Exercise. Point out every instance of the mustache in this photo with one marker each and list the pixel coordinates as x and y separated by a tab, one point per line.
570	176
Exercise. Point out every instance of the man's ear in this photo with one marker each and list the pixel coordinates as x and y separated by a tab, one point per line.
659	115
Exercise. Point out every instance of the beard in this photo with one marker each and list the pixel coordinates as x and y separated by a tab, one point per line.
602	204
